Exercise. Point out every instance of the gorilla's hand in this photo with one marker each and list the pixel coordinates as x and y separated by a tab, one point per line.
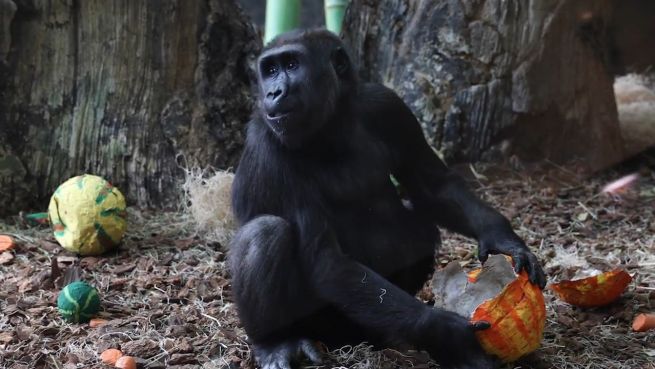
453	344
501	241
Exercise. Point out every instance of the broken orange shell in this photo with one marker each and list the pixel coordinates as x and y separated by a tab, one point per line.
517	316
472	276
593	291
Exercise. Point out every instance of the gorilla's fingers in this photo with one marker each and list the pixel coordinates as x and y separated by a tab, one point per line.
480	325
312	352
519	262
531	265
280	363
537	275
483	254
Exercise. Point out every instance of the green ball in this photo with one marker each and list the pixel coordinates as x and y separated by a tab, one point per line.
78	302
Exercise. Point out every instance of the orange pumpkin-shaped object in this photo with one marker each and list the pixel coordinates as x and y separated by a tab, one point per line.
517	316
593	291
513	306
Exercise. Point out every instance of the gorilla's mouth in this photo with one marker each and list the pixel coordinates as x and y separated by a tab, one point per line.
277	115
278	122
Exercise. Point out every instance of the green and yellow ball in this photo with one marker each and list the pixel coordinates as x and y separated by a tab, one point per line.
78	302
88	215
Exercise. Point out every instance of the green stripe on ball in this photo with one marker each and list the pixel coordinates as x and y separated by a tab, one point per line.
78	302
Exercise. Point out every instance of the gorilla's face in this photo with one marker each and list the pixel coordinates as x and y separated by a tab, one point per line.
301	83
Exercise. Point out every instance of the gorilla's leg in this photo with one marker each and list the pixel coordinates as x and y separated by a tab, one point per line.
271	292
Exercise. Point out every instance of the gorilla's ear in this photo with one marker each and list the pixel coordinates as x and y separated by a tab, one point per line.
340	61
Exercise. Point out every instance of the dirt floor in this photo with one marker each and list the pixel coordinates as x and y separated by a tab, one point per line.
166	295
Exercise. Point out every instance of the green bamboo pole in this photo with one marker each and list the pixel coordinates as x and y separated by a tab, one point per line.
334	11
281	16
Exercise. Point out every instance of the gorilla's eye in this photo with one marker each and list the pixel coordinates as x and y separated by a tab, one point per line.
269	69
292	64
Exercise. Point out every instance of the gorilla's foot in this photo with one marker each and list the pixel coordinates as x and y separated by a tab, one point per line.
286	354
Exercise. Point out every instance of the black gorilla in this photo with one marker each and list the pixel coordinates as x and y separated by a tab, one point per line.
327	249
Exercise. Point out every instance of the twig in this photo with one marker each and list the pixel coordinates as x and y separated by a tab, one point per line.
587	210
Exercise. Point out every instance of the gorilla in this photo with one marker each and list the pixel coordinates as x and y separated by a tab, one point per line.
328	249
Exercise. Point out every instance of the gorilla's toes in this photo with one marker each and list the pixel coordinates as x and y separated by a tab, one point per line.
286	354
311	351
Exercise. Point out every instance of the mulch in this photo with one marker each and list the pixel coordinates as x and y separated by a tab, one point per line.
166	293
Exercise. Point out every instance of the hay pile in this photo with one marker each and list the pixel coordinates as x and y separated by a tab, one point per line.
207	201
635	102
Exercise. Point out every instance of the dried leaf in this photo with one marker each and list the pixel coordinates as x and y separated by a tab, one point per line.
123	269
143	348
6	257
183	346
49	246
67	259
6	337
179	359
184	244
24	332
89	262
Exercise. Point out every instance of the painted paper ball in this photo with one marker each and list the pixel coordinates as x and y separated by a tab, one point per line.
78	302
88	215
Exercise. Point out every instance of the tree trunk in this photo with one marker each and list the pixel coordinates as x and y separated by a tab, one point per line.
311	12
120	89
489	77
633	36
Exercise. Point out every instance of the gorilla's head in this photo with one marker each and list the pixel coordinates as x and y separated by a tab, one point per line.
305	79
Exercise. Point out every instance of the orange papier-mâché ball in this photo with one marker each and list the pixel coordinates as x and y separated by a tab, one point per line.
517	317
513	306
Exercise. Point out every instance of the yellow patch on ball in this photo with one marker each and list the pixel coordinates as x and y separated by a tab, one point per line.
88	215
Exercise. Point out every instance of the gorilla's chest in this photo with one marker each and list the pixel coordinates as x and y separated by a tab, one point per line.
356	192
353	177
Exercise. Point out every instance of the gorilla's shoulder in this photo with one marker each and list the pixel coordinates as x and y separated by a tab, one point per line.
379	105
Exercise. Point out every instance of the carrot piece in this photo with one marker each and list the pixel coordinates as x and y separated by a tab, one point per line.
643	322
111	356
126	362
97	322
6	243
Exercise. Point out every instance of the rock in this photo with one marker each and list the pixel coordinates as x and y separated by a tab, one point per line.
493	79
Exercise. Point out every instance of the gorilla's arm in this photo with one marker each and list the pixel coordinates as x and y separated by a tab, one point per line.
380	306
436	190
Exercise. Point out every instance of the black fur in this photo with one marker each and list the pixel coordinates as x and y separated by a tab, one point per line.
327	249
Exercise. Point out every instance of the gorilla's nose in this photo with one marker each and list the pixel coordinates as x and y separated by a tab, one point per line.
274	94
277	93
276	100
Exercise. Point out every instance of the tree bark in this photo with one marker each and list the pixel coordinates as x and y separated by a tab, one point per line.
311	12
120	89
633	36
491	77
